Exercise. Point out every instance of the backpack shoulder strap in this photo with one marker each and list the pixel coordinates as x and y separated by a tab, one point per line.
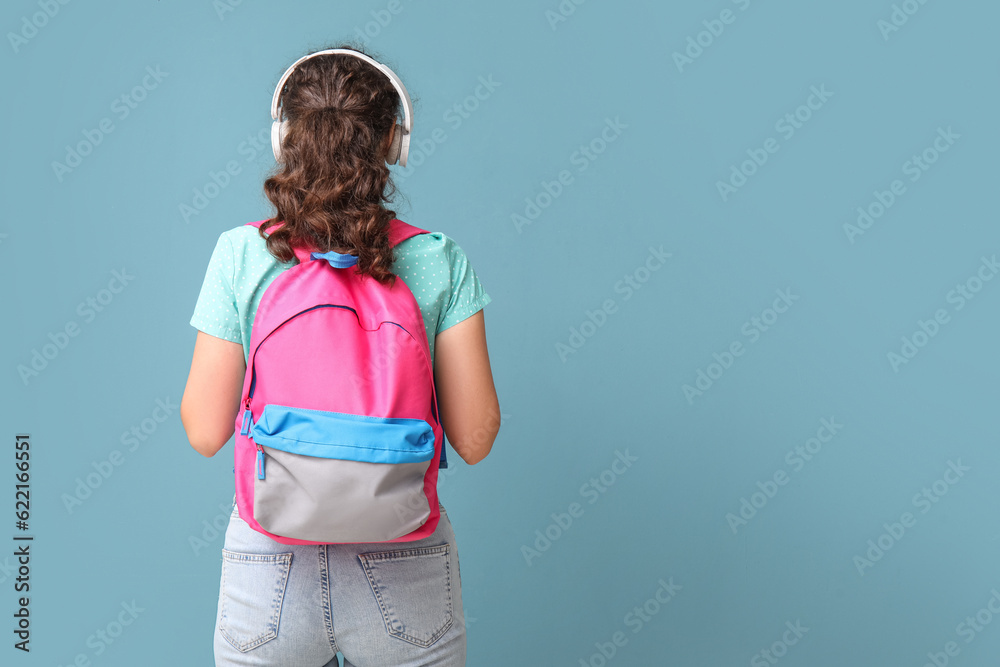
399	231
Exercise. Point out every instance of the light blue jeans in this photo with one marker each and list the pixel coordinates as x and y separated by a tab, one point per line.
379	605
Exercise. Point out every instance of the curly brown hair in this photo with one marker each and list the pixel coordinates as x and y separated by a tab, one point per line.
333	178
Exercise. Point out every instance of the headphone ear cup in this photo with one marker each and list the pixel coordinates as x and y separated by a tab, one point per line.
395	147
404	150
278	130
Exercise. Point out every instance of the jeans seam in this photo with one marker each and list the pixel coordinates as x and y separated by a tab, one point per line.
405	553
327	598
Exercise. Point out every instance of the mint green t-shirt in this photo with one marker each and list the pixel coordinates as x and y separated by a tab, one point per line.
435	268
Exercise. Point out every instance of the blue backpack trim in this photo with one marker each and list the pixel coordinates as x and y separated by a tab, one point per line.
337	260
341	435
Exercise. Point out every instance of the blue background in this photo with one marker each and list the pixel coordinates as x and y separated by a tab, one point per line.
674	514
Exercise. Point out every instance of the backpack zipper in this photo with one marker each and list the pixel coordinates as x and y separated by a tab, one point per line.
247	417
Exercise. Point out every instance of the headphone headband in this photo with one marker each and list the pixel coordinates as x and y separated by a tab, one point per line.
406	126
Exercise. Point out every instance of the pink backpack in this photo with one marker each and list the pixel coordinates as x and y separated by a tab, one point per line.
339	439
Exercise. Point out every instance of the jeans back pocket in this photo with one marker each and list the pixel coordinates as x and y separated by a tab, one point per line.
253	588
413	590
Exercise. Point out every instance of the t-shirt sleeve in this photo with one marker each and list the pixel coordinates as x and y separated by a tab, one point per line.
467	294
215	312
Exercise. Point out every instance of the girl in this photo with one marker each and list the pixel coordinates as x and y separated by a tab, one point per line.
379	604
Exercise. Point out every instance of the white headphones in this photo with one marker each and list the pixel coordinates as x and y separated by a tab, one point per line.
400	147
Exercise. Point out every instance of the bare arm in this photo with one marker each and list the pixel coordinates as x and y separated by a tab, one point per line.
212	395
470	410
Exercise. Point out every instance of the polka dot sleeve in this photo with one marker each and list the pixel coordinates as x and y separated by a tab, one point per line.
215	312
467	294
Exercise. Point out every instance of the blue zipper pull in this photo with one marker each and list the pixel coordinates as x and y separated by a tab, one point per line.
245	428
260	462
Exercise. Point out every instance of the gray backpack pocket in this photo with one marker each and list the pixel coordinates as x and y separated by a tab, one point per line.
337	477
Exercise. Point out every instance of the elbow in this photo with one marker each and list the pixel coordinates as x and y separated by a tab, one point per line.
208	444
203	445
478	446
206	450
473	459
203	442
